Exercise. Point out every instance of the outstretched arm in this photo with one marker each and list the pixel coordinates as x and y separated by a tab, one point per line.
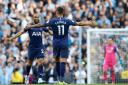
50	32
11	23
36	26
86	23
19	33
16	35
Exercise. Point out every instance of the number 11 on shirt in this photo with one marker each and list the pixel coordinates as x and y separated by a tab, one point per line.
60	29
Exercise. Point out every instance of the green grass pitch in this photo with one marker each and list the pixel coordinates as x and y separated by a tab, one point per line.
70	84
85	84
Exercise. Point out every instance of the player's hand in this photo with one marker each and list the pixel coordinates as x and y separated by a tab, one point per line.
50	32
26	28
9	39
121	62
94	23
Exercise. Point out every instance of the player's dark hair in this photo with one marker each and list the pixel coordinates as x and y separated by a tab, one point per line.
60	10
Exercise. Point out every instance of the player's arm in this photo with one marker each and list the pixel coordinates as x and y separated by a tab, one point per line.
19	33
86	23
104	52
117	51
16	35
47	24
11	22
35	26
50	32
82	23
119	56
38	25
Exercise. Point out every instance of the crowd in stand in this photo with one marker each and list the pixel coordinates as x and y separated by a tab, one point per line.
13	55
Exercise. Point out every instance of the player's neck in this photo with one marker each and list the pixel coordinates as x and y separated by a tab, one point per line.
60	16
110	44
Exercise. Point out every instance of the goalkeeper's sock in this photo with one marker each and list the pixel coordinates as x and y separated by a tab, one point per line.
40	71
113	76
105	76
60	68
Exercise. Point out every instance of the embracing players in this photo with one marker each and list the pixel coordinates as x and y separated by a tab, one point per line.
35	49
60	27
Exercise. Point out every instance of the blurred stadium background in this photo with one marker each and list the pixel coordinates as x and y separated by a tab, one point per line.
97	39
108	13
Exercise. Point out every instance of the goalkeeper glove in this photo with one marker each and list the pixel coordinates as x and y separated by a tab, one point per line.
121	61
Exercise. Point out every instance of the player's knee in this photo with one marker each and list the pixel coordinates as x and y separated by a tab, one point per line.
113	71
57	60
64	60
29	62
61	60
40	61
104	70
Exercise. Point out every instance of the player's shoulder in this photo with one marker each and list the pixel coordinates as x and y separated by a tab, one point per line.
66	19
50	20
53	19
105	45
70	20
35	29
60	18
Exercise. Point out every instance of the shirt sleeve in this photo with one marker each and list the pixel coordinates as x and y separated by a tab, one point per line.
104	48
71	22
115	49
26	29
45	29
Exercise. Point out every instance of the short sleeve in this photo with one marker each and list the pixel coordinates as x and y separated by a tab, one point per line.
115	49
45	29
71	22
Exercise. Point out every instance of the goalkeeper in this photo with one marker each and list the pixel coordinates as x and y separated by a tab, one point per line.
110	51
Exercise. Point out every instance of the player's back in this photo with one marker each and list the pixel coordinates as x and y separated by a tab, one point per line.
60	28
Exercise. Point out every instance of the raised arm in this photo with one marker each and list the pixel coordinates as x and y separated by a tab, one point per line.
16	35
86	23
11	23
19	33
50	32
36	26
